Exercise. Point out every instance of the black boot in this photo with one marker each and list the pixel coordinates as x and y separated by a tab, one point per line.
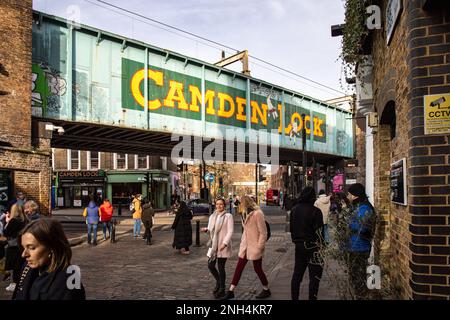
264	294
220	293
216	289
229	295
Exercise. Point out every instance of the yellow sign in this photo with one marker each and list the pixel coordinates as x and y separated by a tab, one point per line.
437	113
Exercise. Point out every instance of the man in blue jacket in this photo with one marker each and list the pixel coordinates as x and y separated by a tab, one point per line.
361	227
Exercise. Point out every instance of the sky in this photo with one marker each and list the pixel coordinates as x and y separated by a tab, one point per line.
292	34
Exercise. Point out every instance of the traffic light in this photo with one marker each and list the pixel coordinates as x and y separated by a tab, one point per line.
147	177
220	182
309	173
261	173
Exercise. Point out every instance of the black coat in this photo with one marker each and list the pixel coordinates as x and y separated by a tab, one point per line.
147	214
47	286
183	229
306	223
13	259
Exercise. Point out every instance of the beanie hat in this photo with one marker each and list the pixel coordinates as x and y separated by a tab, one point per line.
358	190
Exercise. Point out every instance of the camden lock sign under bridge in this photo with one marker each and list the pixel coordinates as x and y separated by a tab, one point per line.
111	94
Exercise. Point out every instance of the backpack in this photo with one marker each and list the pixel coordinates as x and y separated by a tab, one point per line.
268	230
132	210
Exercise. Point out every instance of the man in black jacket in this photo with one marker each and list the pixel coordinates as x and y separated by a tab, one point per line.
306	226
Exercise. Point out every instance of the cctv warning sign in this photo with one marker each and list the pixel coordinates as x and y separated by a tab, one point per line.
437	113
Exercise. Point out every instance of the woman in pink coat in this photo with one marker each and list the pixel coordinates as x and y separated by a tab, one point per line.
253	243
220	229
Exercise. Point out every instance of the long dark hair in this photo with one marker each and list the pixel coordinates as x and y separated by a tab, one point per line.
308	195
50	234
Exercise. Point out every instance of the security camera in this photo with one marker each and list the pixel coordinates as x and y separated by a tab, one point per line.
61	131
437	102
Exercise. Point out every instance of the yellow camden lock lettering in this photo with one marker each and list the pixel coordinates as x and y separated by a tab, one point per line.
228	106
136	80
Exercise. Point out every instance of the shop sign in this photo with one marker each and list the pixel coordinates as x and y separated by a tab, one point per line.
398	182
79	174
437	113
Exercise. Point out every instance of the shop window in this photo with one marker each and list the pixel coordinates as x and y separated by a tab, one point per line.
120	161
73	159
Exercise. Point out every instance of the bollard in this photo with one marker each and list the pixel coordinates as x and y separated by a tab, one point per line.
113	231
197	234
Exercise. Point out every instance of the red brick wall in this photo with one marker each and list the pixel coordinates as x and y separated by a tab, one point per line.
31	166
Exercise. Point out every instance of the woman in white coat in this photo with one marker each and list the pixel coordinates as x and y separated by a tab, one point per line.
220	229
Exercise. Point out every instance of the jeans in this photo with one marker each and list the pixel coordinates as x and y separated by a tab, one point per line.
306	257
106	226
137	227
147	231
257	265
326	233
220	274
92	227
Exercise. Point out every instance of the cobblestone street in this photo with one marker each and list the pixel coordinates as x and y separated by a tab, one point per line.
129	269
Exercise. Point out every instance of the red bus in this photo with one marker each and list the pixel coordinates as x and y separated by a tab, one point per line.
272	197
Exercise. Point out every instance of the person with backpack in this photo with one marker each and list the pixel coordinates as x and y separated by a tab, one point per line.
147	219
92	215
253	243
306	227
324	204
361	228
137	213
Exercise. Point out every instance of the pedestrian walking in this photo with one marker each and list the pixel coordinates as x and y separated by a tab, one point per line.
31	209
137	212
220	229
92	215
361	227
323	203
15	221
252	246
48	254
106	213
306	227
147	219
182	239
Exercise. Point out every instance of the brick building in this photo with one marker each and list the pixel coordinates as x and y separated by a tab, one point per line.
24	148
81	175
409	59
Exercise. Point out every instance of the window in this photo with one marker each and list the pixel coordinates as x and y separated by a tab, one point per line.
93	160
141	162
120	161
73	159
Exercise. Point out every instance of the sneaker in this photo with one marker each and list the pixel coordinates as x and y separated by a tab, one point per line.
264	294
229	295
11	287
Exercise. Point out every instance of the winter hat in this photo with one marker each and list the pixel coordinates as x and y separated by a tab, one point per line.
358	190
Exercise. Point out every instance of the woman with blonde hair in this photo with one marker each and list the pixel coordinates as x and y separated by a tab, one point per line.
15	221
253	242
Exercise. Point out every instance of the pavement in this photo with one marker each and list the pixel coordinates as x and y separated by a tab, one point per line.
130	269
